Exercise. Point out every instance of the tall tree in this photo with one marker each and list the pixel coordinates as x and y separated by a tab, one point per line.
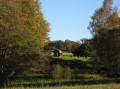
18	46
35	21
102	17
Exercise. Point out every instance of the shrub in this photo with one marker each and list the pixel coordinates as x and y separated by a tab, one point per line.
42	64
67	73
57	72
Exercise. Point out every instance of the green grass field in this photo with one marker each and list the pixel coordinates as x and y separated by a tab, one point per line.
83	77
64	54
74	58
67	54
100	86
79	81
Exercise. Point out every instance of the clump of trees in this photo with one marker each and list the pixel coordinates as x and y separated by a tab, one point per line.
23	33
66	45
105	27
85	49
107	47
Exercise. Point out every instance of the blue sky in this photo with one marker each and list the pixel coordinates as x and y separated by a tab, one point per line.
69	19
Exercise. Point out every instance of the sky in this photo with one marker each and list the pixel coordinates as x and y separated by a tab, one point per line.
69	19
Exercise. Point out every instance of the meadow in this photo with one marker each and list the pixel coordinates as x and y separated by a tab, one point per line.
80	81
83	77
100	86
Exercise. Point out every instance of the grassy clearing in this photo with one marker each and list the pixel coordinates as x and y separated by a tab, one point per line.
67	54
83	77
64	54
46	80
74	62
74	58
100	86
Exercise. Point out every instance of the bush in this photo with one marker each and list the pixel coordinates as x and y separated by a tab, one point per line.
67	73
57	72
107	47
42	64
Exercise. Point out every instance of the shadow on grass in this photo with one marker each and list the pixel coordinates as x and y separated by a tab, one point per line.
69	83
31	78
78	80
84	66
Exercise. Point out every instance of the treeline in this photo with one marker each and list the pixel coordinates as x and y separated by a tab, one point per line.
23	34
82	48
66	45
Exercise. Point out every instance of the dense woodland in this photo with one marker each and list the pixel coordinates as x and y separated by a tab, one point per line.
25	44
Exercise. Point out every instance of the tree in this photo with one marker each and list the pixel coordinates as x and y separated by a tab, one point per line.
41	65
85	49
35	22
18	47
80	51
113	20
107	47
68	45
103	17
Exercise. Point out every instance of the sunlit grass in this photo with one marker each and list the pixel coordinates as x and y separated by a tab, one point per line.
73	58
99	86
67	54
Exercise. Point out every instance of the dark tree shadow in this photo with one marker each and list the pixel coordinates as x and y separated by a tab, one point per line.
78	80
84	66
73	83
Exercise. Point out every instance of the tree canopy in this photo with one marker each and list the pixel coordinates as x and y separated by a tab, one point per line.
104	17
23	33
66	45
35	22
107	47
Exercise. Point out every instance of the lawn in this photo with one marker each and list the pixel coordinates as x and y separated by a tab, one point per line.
79	81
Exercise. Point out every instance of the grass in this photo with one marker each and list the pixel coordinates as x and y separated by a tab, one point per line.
64	54
46	80
100	86
74	58
79	81
82	64
67	54
83	77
